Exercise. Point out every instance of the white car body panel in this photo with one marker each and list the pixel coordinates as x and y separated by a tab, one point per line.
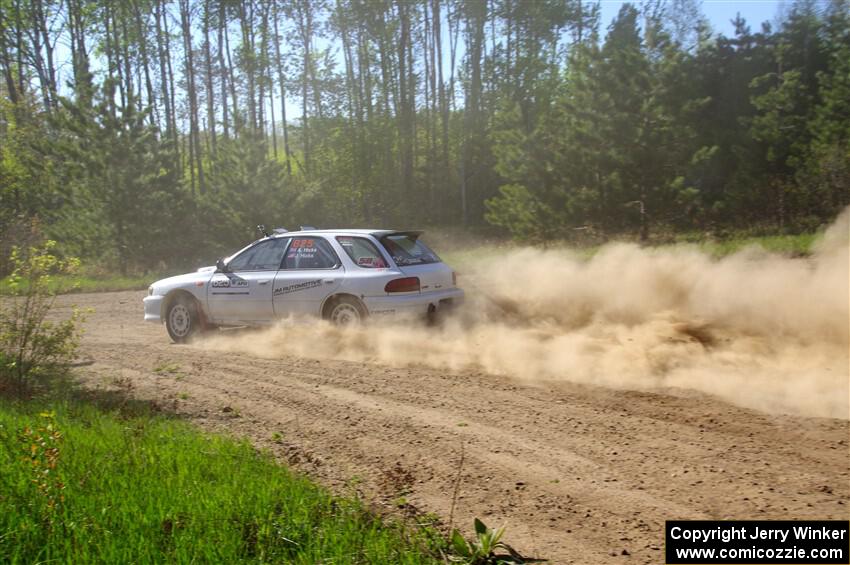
243	297
193	283
262	296
304	292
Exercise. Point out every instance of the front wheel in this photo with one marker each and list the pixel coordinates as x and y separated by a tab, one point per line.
346	312
182	320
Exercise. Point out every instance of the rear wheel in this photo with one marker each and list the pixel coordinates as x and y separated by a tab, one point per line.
182	320
345	311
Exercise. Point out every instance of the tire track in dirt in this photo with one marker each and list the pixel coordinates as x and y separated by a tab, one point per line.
578	473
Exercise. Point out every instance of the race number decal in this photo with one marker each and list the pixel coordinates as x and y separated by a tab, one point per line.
229	283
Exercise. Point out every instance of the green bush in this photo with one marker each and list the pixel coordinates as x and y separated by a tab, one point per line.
482	550
33	346
519	211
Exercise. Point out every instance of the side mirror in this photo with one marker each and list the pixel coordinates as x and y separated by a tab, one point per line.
220	265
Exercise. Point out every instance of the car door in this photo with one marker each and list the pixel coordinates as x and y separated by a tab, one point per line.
311	272
243	294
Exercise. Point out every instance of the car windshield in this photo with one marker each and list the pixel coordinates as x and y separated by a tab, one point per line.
406	249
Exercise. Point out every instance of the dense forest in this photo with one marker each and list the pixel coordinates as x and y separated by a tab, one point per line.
143	133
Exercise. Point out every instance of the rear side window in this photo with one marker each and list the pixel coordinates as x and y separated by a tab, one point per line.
406	249
310	253
363	252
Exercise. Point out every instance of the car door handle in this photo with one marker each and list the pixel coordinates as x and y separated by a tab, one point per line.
266	281
328	281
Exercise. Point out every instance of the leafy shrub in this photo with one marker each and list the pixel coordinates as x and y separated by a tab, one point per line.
519	211
39	450
31	345
482	550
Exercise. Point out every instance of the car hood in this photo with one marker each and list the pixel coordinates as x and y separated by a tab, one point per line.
162	286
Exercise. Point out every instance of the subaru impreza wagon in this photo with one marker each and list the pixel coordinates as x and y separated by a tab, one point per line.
342	275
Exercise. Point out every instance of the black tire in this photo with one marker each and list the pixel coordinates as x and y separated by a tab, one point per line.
346	311
182	319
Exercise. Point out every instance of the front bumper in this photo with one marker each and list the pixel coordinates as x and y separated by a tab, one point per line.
153	308
422	303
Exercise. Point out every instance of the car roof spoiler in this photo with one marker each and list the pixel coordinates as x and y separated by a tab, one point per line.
412	234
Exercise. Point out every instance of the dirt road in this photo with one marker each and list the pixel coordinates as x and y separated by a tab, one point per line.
579	474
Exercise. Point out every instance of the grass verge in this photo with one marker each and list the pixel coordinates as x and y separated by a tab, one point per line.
792	245
462	257
86	481
90	283
789	245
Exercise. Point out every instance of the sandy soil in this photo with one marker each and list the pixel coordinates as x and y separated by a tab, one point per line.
579	474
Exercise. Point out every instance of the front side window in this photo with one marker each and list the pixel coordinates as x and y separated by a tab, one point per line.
363	252
264	256
310	253
406	249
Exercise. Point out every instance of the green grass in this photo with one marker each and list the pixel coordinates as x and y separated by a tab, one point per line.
91	283
144	488
789	245
793	245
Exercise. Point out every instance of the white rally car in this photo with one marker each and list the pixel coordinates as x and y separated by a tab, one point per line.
341	275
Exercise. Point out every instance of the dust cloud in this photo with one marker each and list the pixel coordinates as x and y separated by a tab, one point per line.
757	329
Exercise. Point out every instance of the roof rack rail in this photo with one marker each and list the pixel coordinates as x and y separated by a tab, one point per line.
279	230
305	228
